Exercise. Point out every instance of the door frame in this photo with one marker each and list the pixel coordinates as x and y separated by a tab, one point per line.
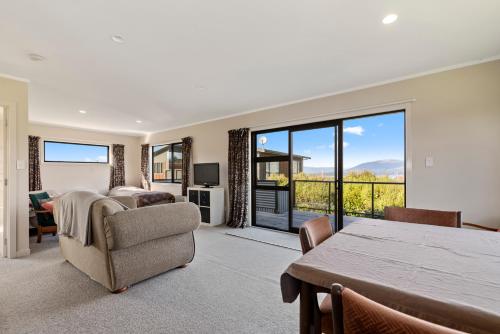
10	172
364	111
294	128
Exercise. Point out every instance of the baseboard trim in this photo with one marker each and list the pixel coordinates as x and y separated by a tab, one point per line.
23	252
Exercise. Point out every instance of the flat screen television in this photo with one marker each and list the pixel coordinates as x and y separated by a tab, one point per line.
206	174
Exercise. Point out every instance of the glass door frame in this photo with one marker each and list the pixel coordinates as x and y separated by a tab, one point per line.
338	124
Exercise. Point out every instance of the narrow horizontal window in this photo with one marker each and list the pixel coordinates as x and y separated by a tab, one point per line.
75	153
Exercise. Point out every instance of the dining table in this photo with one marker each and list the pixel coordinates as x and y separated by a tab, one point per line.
448	276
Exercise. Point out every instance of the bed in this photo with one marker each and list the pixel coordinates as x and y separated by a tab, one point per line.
142	196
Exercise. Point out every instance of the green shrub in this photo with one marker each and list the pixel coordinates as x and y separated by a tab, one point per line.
314	196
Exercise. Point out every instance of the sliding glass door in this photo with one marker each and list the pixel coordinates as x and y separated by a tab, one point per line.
295	175
271	188
345	169
314	174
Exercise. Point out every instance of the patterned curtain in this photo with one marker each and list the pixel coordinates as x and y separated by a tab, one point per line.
187	144
145	166
35	180
238	177
117	177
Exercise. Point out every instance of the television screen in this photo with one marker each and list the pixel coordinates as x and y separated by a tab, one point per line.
206	174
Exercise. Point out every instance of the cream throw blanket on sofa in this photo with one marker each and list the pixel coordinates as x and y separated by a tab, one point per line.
72	215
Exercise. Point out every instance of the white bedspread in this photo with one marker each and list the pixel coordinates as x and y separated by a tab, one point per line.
126	191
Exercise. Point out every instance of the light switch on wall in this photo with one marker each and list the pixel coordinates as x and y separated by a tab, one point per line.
429	162
20	164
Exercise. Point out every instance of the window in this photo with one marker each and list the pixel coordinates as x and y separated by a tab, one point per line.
167	163
75	153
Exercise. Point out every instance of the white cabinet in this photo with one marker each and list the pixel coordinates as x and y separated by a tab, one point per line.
211	203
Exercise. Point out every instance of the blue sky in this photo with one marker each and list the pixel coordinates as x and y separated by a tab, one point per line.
74	153
366	139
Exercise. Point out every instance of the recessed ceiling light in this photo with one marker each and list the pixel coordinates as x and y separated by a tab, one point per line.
82	111
117	39
391	18
35	57
138	121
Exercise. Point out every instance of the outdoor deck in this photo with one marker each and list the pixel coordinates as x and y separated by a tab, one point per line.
280	221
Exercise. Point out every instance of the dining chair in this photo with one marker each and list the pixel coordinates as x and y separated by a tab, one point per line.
311	234
423	216
356	314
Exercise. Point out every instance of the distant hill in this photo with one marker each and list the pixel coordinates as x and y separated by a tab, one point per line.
388	167
327	171
380	167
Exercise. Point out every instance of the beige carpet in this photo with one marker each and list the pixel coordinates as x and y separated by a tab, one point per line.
232	286
267	236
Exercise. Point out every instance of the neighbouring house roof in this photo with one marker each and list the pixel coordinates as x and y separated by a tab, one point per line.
271	153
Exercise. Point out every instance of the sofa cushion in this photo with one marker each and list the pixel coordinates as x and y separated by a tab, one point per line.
132	227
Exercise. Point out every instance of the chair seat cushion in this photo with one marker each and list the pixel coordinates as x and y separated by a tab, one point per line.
45	219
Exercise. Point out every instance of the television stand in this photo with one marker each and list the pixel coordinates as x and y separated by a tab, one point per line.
210	200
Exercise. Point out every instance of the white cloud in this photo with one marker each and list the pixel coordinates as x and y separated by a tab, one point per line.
100	158
344	145
355	130
320	147
380	125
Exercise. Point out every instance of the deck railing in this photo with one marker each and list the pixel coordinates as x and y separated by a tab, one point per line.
330	206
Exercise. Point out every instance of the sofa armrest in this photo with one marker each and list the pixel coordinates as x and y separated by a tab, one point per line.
133	227
129	201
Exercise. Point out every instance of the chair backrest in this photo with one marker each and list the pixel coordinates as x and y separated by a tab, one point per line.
356	314
36	197
314	232
422	216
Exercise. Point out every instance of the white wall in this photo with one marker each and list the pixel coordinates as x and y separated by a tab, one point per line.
14	95
455	116
62	177
2	173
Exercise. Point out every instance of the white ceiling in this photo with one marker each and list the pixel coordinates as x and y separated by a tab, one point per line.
187	61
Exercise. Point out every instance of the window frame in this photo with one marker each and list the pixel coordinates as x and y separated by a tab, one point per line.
172	178
74	162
